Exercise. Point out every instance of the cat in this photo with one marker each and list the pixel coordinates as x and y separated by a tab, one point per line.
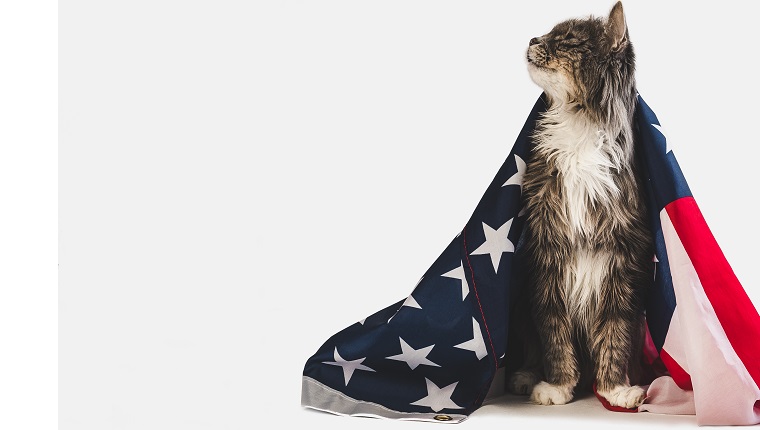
588	249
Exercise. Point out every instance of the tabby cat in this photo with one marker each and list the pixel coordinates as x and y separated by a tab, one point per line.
587	246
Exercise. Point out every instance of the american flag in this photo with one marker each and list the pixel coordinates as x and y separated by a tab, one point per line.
434	355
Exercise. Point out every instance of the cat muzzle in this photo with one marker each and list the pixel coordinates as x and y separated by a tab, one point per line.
536	55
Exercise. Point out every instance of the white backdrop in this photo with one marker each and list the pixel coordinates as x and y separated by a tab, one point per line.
240	180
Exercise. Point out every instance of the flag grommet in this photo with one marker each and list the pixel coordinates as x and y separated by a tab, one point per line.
442	418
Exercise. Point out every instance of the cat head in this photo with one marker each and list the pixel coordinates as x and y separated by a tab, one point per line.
588	63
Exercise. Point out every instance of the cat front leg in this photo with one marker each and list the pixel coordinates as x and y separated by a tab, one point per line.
612	341
555	332
611	348
560	367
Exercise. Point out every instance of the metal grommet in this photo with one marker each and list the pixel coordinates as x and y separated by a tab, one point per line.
442	418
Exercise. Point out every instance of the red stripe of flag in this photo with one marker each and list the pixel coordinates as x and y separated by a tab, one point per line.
680	377
734	309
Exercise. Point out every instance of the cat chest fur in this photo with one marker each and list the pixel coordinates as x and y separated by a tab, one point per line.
584	162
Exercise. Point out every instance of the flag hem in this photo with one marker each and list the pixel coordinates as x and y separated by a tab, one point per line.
315	395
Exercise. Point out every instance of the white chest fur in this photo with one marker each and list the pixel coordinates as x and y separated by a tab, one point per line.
585	160
583	283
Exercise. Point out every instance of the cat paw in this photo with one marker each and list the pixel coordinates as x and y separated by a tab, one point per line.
545	393
624	396
522	382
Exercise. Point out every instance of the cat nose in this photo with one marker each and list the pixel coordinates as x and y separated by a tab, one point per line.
534	41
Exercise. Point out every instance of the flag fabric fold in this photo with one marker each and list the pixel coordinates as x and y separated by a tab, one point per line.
434	355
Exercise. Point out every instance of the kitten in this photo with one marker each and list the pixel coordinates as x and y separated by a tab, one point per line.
587	248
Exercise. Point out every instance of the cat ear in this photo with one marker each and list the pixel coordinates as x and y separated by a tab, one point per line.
616	28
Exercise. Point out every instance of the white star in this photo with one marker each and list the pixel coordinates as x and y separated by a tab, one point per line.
476	344
517	178
496	243
655	261
662	132
348	365
413	357
411	303
458	273
408	302
361	321
438	398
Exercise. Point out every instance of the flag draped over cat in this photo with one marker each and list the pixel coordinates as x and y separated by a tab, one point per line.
434	355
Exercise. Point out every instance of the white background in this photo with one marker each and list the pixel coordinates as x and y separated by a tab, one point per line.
239	181
28	214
